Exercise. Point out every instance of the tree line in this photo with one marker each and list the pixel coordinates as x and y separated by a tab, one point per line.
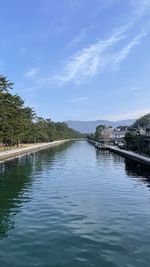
20	124
137	143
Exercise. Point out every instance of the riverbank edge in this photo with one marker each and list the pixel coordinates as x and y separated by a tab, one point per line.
125	153
20	152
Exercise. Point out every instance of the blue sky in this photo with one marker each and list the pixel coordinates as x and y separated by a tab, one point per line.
78	59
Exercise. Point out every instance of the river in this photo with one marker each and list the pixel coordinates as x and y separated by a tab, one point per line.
74	206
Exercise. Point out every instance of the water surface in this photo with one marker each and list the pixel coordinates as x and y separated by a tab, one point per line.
72	206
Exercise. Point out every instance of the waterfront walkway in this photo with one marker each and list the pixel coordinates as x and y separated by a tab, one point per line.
5	155
128	154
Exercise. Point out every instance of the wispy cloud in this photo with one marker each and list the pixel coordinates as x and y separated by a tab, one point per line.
102	55
31	73
77	39
88	61
80	99
126	50
141	7
98	57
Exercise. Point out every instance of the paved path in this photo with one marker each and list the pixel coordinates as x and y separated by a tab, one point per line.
125	153
4	155
142	159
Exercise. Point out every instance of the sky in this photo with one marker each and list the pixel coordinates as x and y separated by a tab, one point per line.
78	59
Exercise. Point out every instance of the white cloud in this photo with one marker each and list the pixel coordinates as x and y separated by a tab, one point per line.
98	57
125	51
80	99
31	73
87	62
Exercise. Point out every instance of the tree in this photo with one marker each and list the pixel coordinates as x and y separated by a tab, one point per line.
5	84
98	132
14	118
19	123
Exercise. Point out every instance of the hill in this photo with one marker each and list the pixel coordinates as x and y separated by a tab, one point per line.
143	122
90	126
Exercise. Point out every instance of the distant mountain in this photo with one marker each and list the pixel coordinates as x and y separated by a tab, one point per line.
90	126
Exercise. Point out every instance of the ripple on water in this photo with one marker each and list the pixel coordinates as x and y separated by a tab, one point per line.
73	206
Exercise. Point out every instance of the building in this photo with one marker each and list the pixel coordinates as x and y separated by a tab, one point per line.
119	134
137	131
104	134
147	132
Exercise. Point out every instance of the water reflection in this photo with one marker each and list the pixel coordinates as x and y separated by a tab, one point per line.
45	158
132	168
16	178
73	206
105	155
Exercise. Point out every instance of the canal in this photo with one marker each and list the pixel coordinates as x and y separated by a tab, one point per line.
74	206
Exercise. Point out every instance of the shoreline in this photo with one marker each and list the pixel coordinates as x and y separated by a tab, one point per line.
144	160
20	152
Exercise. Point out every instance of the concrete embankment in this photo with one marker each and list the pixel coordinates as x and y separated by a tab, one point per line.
127	154
15	153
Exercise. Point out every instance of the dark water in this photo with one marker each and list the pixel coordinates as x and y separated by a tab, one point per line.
74	206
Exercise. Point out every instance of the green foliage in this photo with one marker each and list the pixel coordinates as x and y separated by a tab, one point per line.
136	143
131	141
98	132
18	123
91	136
5	84
143	122
14	118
